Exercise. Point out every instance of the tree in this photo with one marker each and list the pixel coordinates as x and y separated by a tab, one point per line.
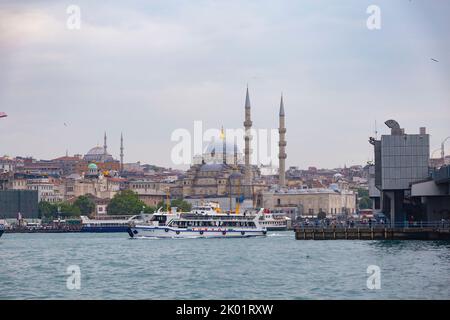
126	202
364	200
149	209
85	204
68	210
179	203
47	210
365	203
363	192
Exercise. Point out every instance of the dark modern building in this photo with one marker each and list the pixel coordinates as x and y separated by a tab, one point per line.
401	160
14	201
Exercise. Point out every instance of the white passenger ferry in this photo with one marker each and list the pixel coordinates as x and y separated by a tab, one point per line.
110	224
201	222
273	221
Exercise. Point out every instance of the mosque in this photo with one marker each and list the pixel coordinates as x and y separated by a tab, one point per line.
102	159
222	171
213	153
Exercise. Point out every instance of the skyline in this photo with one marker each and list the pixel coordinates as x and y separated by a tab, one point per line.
337	76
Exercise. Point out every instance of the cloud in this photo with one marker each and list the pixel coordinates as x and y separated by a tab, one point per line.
148	68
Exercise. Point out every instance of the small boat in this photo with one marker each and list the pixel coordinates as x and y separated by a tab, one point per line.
2	229
274	221
200	222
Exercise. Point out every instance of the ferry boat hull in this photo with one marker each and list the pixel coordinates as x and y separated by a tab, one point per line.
276	228
104	229
170	232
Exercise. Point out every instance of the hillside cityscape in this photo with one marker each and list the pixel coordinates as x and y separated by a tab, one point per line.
98	184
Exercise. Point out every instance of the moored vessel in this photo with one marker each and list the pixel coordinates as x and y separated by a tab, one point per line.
108	225
2	229
200	222
274	221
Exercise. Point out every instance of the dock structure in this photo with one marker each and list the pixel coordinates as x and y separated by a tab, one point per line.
375	233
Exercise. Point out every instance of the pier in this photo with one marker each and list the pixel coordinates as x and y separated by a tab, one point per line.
428	231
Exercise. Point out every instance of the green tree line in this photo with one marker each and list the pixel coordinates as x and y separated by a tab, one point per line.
124	202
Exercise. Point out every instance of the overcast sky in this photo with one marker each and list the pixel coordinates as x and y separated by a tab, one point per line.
146	68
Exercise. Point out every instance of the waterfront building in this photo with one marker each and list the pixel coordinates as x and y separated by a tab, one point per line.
70	164
148	191
400	160
13	202
310	202
6	165
152	198
147	186
46	189
41	167
96	184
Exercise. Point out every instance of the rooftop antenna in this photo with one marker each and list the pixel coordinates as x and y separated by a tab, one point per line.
376	130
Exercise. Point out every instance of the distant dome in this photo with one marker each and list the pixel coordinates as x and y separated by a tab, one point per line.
92	166
213	167
97	154
236	175
217	147
96	151
213	153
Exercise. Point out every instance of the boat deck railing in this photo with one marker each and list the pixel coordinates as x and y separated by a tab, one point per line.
215	217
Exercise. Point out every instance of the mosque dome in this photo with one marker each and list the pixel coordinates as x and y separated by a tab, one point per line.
236	175
217	147
97	154
213	167
96	151
92	166
213	153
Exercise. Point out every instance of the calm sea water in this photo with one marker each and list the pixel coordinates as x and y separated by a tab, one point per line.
33	266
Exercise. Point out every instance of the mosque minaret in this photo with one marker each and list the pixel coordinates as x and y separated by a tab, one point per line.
224	147
105	150
248	138
121	152
282	146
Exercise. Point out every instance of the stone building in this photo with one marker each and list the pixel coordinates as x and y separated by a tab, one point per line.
310	202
